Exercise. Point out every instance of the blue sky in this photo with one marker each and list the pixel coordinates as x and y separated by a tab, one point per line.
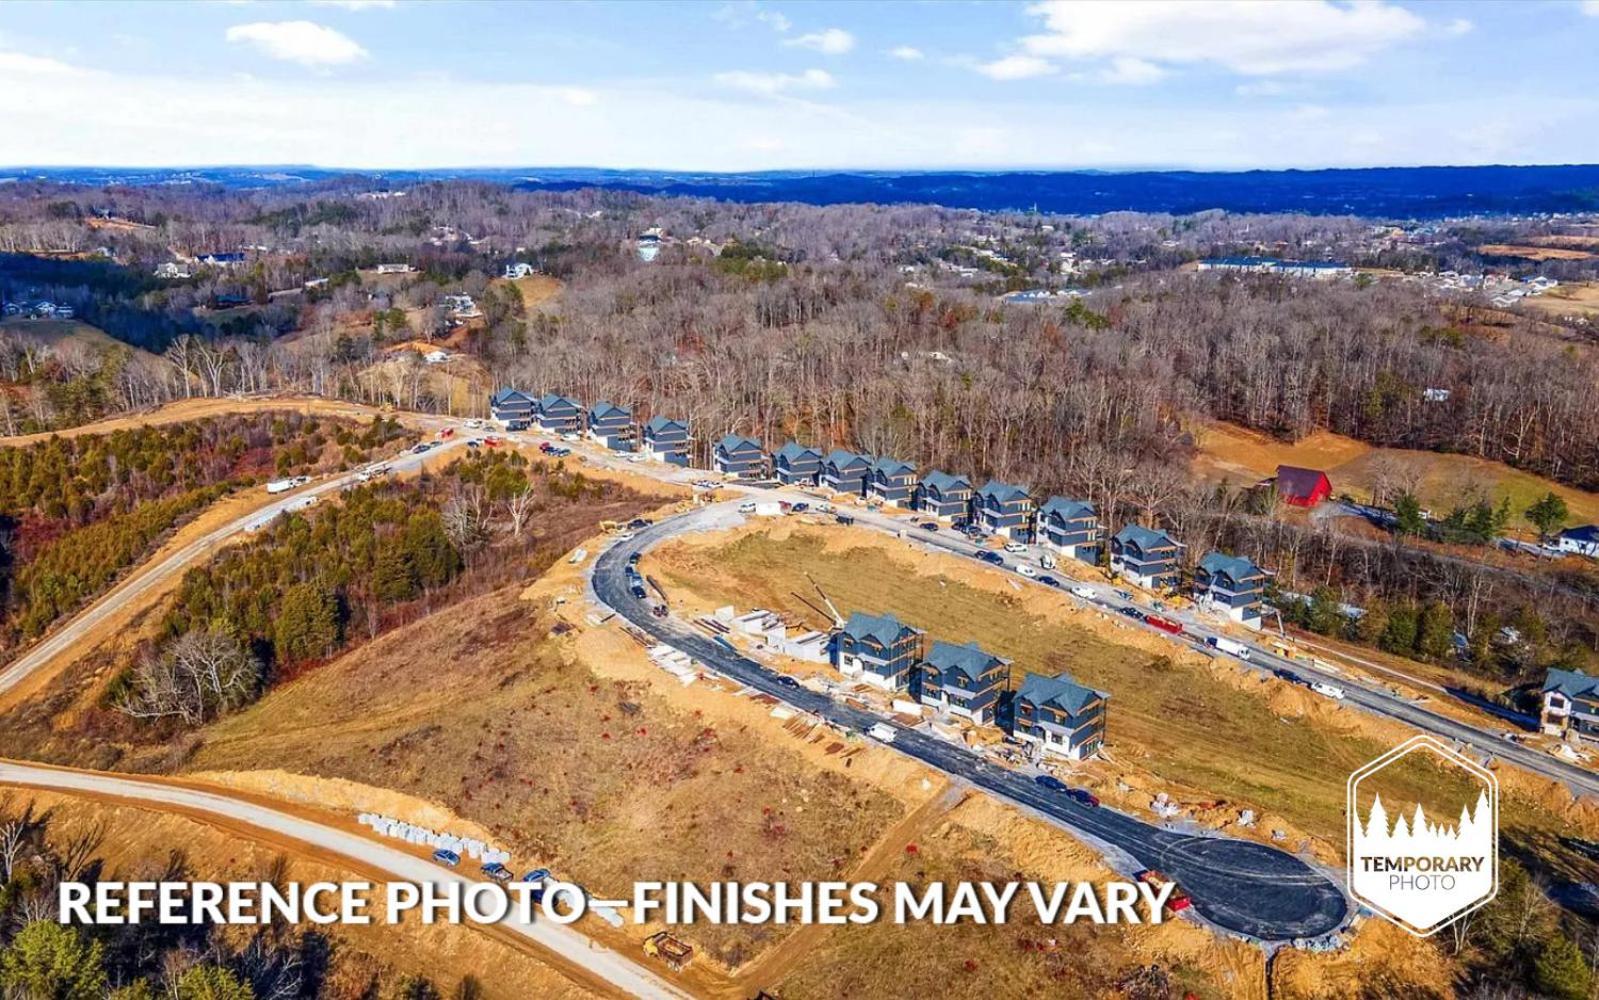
752	84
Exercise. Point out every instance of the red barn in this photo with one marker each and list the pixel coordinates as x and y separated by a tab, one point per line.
1302	487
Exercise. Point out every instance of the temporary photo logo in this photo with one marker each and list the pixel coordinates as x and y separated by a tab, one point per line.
1417	868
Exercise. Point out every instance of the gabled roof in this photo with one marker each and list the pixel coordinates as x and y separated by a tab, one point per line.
599	411
1235	567
1295	481
658	424
509	396
1571	683
842	458
795	452
1066	510
892	467
1585	533
1145	538
737	442
550	400
1061	691
885	630
944	482
971	659
1003	492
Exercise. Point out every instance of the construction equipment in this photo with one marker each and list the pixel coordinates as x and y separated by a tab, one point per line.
675	952
838	619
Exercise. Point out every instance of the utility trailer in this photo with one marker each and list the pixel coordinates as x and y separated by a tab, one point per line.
675	952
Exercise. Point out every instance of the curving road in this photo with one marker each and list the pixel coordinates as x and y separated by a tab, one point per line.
564	941
154	575
1239	885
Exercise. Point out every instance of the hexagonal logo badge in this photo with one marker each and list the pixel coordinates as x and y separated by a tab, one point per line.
1423	835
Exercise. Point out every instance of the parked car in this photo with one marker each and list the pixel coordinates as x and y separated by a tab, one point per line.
1284	674
636	458
992	557
1084	796
747	507
546	447
1049	581
1027	571
1131	612
843	519
540	876
788	682
1125	595
1084	591
474	443
633	559
1328	691
639	523
928	525
497	872
424	446
638	591
448	859
800	507
474	422
1050	782
1015	548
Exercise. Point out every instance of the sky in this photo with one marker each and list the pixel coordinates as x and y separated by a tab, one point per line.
757	85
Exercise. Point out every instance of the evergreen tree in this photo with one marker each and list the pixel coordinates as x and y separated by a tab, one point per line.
1547	514
212	982
307	624
1407	515
51	961
1435	633
1560	972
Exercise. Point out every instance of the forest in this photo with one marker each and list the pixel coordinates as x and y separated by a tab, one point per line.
318	583
878	328
75	512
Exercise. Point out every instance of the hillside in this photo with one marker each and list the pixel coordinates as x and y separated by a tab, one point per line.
1242	457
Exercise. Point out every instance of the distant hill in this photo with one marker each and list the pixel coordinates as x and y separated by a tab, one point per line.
1385	192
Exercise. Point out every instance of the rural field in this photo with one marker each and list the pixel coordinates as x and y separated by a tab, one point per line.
1241	457
1213	736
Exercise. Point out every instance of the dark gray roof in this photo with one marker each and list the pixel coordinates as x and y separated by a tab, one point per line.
1584	533
509	396
550	400
841	458
1571	683
1145	538
944	482
1066	510
1294	481
658	424
969	659
893	467
1236	567
1004	492
1061	691
795	452
883	629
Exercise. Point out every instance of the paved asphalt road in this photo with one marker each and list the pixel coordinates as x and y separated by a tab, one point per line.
1239	885
63	638
563	940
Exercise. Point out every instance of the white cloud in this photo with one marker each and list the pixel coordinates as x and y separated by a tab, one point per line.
772	19
742	12
1017	67
1131	71
1262	88
356	5
1590	7
303	42
831	41
1459	26
1243	36
771	84
22	64
909	53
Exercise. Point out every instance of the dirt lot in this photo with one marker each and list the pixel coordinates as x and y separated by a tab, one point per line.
1242	456
139	841
1534	253
1215	738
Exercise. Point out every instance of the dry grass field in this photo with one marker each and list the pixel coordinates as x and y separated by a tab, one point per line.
1214	737
1240	456
1534	252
